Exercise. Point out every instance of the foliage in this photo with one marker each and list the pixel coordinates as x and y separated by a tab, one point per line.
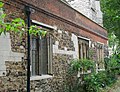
112	88
111	16
74	87
81	64
75	65
91	83
34	30
17	25
94	82
87	64
113	42
113	63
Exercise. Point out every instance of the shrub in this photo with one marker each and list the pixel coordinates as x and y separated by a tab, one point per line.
81	65
95	81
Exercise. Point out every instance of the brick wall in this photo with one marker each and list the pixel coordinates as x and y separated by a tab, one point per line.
74	21
60	18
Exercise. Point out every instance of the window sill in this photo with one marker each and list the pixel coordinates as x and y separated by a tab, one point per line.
101	69
40	77
87	72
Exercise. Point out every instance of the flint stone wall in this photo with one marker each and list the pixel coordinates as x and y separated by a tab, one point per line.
15	79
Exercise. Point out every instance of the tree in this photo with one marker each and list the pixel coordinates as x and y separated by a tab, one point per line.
111	17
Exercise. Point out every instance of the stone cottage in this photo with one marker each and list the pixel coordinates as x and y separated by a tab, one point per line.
70	35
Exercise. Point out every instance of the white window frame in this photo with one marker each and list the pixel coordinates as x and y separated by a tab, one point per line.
80	37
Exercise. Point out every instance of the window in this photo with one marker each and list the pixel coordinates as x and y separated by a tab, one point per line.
41	51
83	48
100	56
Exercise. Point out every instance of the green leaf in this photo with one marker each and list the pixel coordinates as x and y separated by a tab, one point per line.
16	20
1	30
44	33
12	28
1	4
39	33
7	26
111	18
3	16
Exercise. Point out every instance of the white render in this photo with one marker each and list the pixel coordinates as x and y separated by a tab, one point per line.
81	5
99	13
89	8
40	77
6	53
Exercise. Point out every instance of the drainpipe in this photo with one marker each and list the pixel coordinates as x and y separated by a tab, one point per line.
28	12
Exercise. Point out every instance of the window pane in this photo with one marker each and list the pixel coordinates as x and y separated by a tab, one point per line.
83	48
33	55
43	56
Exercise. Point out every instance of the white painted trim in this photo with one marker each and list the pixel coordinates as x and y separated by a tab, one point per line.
83	38
64	52
46	25
101	69
100	43
40	77
57	51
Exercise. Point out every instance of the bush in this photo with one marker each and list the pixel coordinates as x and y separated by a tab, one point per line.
75	66
112	64
91	83
95	81
81	65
